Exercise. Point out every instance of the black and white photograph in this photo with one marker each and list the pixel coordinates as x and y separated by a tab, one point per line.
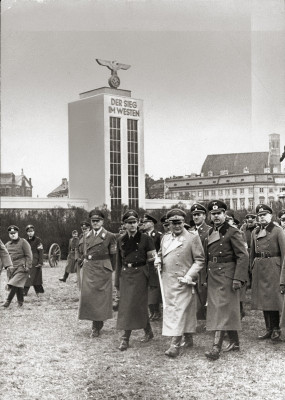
142	200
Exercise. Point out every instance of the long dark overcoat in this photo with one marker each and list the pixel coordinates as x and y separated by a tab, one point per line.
154	295
95	302
21	255
35	273
227	260
266	272
71	262
132	280
180	255
202	231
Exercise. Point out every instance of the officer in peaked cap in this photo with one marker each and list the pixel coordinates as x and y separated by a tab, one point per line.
181	256
36	277
262	209
231	219
154	294
281	216
165	224
135	251
199	214
226	273
99	253
266	256
21	256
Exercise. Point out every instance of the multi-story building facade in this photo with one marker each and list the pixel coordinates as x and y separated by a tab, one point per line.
15	185
61	190
242	180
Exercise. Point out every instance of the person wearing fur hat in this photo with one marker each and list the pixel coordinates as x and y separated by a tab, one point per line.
267	260
21	256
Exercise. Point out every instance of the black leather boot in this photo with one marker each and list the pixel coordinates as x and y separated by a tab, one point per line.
173	350
188	340
20	296
234	342
148	334
10	297
275	321
269	328
214	354
96	328
125	340
65	276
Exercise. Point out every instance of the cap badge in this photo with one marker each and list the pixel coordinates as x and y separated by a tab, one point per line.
215	207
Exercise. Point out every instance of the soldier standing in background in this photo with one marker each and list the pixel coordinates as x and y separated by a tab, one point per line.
154	294
135	251
21	256
267	252
81	250
36	275
95	302
227	259
71	261
165	224
281	216
199	214
247	230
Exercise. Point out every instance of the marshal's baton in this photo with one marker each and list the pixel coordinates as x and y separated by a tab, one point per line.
161	286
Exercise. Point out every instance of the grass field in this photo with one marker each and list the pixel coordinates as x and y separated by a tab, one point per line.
46	353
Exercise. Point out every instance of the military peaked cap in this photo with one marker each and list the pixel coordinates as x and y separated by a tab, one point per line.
130	215
197	208
30	227
231	214
176	214
164	220
263	209
96	214
13	229
216	205
147	218
85	223
250	215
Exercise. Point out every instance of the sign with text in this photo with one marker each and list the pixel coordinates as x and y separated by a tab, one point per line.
123	107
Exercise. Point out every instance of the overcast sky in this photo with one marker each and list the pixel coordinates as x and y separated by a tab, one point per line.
211	74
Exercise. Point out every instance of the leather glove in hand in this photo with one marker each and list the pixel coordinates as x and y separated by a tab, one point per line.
236	284
185	279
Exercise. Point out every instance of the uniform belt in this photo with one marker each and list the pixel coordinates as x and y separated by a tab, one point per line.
134	264
97	258
222	259
266	254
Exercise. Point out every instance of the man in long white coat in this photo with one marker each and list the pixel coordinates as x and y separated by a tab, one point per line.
181	256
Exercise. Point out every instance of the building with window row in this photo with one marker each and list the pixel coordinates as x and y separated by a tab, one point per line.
15	185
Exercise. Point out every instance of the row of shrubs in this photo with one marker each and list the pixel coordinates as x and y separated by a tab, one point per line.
56	225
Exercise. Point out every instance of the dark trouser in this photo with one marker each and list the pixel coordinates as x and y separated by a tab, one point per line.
127	333
272	320
38	289
19	293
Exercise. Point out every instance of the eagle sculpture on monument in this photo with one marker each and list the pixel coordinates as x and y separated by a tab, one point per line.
114	66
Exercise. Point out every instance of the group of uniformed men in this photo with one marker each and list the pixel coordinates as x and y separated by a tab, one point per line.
206	267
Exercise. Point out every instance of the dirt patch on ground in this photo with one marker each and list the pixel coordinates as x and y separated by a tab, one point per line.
46	353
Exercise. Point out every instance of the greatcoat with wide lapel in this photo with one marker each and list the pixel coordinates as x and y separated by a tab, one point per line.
96	287
22	256
180	255
227	259
266	272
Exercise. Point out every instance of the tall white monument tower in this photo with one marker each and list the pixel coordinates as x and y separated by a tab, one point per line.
106	146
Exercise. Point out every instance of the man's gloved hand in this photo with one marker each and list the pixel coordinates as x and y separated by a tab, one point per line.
236	284
282	289
185	279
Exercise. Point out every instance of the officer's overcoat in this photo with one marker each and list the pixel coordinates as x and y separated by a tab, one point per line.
71	262
180	255
201	287
35	274
21	255
132	274
269	243
227	259
154	295
95	302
